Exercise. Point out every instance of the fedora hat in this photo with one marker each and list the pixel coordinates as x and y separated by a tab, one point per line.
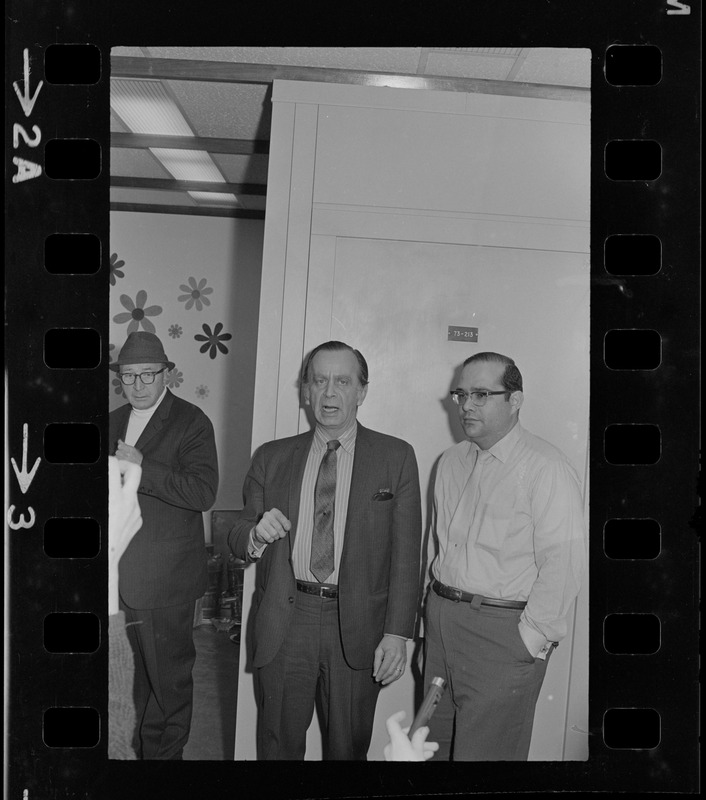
141	347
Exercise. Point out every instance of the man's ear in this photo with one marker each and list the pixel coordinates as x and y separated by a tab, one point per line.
516	400
362	392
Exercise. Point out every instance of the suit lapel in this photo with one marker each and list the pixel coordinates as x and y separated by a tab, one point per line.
363	464
121	421
296	476
157	421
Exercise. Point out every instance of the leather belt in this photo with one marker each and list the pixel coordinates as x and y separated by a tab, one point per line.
319	589
459	596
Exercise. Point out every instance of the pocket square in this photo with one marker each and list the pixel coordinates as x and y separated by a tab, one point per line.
383	494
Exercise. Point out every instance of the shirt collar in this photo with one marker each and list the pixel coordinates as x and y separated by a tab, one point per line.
347	438
501	449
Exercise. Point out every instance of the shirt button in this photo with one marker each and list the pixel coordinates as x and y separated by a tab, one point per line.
291	599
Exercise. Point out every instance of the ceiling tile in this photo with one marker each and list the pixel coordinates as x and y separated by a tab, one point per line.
237	111
378	59
242	169
135	163
512	52
127	51
557	65
463	65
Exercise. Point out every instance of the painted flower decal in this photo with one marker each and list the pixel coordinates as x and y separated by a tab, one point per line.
116	269
195	294
175	331
175	379
137	313
213	342
118	385
202	392
111	347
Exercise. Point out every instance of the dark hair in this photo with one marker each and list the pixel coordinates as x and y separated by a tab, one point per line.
332	347
511	378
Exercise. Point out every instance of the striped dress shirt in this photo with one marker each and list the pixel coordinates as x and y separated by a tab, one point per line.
301	550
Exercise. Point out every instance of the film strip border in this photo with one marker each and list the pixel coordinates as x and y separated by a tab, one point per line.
56	489
643	724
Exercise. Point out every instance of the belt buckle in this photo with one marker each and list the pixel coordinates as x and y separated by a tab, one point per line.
457	594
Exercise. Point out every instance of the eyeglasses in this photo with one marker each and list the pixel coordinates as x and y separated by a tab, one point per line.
128	378
478	398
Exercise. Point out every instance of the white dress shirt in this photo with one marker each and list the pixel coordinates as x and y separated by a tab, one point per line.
509	524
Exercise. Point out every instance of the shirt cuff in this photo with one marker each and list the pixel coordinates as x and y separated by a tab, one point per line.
534	641
397	636
255	550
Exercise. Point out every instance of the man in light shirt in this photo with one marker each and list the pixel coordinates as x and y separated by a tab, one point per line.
510	550
330	623
163	570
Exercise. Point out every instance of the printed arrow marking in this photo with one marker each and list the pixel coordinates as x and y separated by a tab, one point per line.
24	478
27	100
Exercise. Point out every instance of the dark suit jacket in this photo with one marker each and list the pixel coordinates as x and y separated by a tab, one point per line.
379	570
165	563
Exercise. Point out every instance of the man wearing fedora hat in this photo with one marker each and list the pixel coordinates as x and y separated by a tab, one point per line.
163	571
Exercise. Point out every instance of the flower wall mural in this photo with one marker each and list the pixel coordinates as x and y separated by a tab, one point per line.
115	269
213	341
184	276
195	294
136	313
159	304
175	378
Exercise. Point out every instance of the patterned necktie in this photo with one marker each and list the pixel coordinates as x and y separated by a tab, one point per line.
324	497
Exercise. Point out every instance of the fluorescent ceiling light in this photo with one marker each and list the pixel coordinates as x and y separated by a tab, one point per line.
396	81
189	165
145	106
214	198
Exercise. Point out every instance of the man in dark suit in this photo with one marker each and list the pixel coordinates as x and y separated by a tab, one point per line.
163	570
331	620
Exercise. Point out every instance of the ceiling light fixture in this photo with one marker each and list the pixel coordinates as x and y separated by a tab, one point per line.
145	106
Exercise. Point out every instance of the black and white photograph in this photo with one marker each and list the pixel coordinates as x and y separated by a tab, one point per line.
421	206
352	381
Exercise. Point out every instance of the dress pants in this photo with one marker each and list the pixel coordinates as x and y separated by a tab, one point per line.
163	645
310	671
492	681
